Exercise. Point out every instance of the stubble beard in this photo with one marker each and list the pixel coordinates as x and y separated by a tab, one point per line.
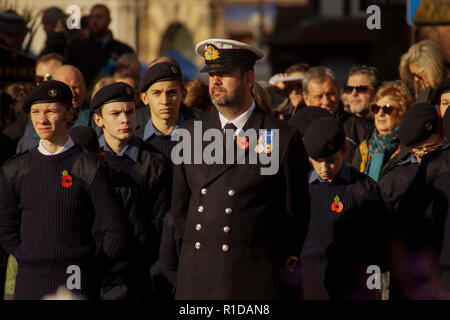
227	99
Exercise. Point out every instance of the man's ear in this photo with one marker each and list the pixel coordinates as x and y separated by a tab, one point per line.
183	94
304	96
98	120
250	79
144	99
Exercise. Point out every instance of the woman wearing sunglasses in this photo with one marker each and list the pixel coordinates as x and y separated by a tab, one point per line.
382	150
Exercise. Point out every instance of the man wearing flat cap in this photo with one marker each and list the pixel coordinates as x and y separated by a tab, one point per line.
423	211
141	176
239	227
57	204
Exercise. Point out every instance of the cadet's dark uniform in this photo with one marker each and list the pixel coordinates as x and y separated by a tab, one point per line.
348	201
141	176
417	125
58	211
238	226
428	197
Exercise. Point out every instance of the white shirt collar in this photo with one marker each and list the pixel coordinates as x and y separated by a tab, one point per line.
240	121
69	144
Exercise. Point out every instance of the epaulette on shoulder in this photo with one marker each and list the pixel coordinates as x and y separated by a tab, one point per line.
16	166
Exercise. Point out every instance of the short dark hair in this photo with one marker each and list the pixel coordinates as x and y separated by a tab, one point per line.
53	14
102	6
371	72
298	67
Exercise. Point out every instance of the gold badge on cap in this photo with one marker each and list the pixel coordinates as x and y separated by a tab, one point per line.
128	90
173	69
428	126
211	53
52	93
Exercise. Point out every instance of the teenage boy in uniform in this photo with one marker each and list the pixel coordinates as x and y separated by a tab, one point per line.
141	177
58	210
341	197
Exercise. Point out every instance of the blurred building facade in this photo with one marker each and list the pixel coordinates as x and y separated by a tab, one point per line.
319	32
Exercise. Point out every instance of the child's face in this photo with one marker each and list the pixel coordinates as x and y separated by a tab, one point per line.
327	168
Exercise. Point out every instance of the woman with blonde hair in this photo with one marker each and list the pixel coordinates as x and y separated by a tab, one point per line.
382	150
423	68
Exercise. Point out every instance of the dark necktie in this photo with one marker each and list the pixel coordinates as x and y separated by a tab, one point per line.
229	125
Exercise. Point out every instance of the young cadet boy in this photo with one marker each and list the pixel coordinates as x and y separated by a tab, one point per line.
421	132
427	201
58	210
141	177
163	91
343	204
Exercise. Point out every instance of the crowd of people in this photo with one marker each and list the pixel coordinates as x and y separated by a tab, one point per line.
90	176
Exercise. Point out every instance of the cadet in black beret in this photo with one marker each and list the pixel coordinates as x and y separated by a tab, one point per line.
418	124
116	92
46	92
162	71
421	132
324	137
336	189
141	176
163	91
305	116
441	95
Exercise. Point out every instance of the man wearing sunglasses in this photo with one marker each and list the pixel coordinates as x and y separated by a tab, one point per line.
362	84
321	89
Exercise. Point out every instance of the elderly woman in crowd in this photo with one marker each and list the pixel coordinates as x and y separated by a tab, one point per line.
423	68
382	150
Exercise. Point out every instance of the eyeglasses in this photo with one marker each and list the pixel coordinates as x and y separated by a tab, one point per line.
40	79
359	89
387	109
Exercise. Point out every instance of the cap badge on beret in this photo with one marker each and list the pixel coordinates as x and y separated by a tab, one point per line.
173	69
428	126
52	93
330	146
211	53
128	90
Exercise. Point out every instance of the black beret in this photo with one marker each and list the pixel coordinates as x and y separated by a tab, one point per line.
86	137
446	125
115	92
418	124
162	71
48	91
305	116
324	137
443	87
222	54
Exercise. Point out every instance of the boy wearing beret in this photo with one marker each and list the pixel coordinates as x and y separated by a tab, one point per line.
426	202
345	206
141	177
58	211
421	132
163	90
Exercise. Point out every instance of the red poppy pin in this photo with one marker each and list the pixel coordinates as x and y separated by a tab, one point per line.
66	181
242	142
337	205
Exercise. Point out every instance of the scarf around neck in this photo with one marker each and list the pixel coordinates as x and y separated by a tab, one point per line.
378	146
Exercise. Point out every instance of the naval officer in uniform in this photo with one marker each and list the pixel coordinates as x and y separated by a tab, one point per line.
238	226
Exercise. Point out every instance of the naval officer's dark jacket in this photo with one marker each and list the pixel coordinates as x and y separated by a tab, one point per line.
238	226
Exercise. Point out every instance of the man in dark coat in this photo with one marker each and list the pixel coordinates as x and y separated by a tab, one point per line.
239	225
321	89
92	54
